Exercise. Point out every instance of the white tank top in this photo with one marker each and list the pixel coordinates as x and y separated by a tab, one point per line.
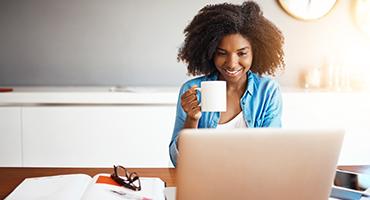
237	122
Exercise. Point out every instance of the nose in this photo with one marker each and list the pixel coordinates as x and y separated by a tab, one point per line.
232	61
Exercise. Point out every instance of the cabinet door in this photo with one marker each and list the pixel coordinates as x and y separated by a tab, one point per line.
314	110
343	110
97	136
10	137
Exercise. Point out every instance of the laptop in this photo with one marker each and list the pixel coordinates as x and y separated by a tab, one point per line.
261	163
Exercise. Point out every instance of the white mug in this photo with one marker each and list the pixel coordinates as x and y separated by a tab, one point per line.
213	96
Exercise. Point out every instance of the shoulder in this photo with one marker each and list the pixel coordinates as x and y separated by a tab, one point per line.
264	84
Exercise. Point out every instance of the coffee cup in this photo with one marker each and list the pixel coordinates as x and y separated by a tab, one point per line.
212	96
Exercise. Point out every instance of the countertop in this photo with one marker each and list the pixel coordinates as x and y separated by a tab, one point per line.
90	95
129	95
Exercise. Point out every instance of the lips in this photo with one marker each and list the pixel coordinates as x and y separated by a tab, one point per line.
233	72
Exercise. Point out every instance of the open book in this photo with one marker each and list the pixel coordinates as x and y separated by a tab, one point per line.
83	187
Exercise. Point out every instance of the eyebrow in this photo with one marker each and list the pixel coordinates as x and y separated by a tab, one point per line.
244	48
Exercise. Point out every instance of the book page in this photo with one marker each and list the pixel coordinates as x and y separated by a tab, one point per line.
103	187
59	187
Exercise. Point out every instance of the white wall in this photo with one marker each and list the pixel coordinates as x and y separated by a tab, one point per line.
135	42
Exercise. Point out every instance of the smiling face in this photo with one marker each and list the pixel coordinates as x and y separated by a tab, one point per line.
233	58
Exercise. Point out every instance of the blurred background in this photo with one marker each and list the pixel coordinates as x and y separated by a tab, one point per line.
135	42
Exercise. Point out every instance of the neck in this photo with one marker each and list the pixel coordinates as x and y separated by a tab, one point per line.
239	85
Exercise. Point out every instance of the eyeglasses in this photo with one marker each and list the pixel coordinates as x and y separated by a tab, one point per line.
129	180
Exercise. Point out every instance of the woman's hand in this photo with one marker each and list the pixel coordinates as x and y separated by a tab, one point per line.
190	104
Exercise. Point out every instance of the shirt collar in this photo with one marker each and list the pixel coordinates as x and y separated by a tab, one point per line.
250	83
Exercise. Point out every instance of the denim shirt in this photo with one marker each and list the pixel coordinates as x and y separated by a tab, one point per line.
261	105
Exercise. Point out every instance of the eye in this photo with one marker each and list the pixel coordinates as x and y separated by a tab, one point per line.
221	53
242	53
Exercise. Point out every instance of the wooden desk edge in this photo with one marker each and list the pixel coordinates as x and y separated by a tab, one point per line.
11	177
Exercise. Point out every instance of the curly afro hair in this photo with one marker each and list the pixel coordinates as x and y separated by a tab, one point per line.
213	22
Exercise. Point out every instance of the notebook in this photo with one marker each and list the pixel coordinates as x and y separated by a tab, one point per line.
84	187
257	163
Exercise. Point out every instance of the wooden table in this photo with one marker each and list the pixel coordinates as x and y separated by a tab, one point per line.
10	177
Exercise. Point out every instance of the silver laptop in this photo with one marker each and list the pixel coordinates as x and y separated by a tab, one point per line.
257	164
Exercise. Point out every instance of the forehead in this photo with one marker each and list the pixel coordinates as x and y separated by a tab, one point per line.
234	42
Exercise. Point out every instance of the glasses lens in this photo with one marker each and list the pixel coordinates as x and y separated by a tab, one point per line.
126	179
134	180
122	173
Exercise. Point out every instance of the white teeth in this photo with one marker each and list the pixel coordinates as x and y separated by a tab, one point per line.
233	72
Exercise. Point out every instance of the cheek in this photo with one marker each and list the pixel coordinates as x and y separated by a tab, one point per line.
218	61
247	62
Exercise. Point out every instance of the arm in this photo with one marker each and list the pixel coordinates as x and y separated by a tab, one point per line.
272	115
187	116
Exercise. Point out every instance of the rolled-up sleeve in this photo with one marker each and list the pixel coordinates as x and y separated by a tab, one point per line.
179	124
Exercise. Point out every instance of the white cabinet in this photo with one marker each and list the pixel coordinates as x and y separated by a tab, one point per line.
326	110
136	133
10	137
133	136
349	111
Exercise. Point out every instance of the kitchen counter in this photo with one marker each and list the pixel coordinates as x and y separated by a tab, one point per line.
117	95
90	95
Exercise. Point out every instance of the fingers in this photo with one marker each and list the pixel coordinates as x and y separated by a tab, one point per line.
189	97
195	112
190	92
190	104
190	100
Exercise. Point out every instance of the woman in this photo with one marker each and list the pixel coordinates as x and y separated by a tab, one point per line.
237	44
